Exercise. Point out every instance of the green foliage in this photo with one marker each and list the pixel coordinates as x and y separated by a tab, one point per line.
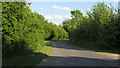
23	30
87	44
28	60
100	25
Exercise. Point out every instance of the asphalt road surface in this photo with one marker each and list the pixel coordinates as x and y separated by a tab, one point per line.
64	54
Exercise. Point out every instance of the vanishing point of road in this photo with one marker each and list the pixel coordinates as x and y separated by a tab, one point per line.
64	54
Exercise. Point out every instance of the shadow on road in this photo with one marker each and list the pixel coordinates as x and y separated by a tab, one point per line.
77	61
64	54
65	45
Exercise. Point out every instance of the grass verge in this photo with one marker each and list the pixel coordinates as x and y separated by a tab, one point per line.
29	60
91	46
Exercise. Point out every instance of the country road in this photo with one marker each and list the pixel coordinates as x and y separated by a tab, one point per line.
64	54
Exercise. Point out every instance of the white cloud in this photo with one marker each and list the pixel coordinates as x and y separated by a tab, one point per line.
58	17
56	7
63	8
41	8
53	17
48	17
68	17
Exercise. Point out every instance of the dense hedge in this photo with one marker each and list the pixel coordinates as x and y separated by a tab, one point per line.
101	25
23	30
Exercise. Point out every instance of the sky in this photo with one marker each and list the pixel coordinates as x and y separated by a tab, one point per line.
57	12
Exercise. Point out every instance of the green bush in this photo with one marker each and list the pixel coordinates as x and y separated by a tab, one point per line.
23	30
100	25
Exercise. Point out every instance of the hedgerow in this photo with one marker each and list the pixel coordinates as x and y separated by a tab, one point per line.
23	30
101	25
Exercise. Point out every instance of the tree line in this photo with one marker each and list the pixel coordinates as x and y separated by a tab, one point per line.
101	25
23	30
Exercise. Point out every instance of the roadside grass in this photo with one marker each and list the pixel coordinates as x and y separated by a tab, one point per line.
60	40
91	46
29	60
